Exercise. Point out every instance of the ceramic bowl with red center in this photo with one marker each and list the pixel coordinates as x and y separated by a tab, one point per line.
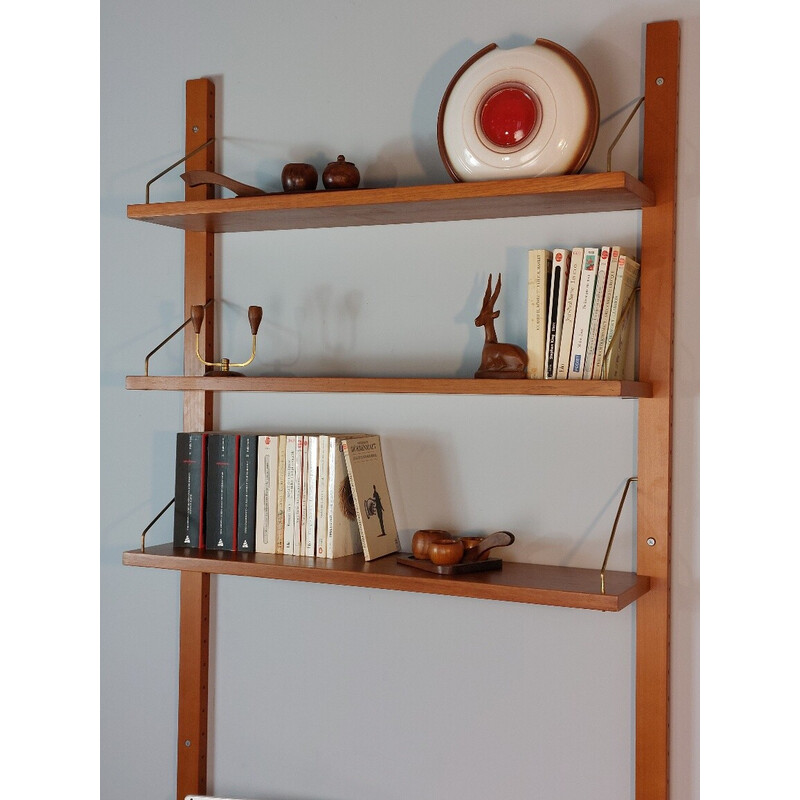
521	112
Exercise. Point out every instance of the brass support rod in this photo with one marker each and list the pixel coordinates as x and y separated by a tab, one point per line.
613	533
165	171
622	130
174	333
156	519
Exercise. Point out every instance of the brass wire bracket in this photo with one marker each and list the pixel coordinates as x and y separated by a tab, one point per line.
161	344
622	130
155	519
171	167
613	533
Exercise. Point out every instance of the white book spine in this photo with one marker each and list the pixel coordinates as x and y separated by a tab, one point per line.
555	309
605	314
597	307
583	312
322	498
616	347
280	515
333	446
570	304
290	494
267	494
311	468
298	530
540	264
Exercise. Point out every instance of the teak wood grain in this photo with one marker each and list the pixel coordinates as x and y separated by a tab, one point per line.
462	386
569	587
523	197
655	414
198	414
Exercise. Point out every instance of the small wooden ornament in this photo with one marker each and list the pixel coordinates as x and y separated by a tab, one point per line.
498	360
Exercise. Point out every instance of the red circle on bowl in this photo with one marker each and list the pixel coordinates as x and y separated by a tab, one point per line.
508	116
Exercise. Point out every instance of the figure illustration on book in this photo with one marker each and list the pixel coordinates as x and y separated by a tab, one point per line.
374	506
346	502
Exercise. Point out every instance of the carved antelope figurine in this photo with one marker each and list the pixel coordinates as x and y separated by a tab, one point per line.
498	360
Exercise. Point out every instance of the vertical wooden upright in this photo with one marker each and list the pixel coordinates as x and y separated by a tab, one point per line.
655	414
198	414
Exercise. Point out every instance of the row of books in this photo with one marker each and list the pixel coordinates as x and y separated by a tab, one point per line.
317	495
579	312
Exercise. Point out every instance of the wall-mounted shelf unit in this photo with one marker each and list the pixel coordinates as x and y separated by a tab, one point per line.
201	217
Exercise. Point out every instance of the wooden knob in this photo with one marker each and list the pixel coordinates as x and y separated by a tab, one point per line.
198	312
254	315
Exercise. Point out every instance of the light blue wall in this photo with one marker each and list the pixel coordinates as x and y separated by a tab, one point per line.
327	693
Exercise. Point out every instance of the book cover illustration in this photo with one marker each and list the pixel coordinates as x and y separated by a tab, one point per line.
371	500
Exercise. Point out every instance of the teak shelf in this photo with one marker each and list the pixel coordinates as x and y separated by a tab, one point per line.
201	217
524	197
463	386
570	587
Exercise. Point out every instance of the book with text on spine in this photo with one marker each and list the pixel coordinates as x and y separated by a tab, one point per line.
583	311
246	498
222	482
373	505
190	479
605	313
344	538
291	518
322	497
570	304
555	309
620	327
540	265
267	494
597	307
310	479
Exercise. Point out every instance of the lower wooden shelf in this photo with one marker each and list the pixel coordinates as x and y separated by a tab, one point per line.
569	587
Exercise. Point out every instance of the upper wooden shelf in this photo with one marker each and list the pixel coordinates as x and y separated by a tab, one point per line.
569	587
462	386
522	197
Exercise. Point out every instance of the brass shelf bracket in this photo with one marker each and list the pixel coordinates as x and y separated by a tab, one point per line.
161	344
172	166
156	519
613	533
627	122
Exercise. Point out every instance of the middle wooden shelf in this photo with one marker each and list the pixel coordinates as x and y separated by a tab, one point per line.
454	386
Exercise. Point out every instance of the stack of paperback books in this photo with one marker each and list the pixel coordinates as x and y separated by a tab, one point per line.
579	312
315	495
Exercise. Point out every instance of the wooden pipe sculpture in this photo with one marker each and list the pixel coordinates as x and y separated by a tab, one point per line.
224	367
498	359
202	177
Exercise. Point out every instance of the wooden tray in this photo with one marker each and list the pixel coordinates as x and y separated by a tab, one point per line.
450	569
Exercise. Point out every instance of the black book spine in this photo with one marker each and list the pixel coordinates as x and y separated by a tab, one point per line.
221	491
190	469
246	512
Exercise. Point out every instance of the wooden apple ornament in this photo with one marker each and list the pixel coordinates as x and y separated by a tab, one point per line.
299	178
